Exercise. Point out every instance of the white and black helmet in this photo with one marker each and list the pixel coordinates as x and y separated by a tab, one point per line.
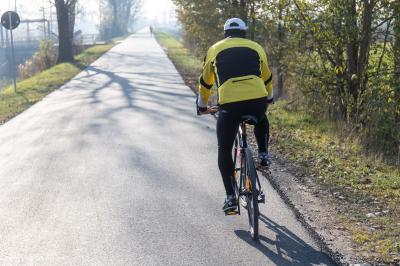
235	24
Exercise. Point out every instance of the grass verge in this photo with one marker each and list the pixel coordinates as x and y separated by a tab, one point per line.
33	89
364	190
189	66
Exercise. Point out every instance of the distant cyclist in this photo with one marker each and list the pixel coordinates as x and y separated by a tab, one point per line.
239	68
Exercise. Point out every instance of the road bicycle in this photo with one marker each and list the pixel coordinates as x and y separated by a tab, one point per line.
246	183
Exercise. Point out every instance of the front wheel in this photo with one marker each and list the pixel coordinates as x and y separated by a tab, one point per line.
252	195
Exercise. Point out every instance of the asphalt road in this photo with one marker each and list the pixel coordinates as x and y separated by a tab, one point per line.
115	168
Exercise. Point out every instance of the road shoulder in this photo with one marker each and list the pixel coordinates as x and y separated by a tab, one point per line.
312	209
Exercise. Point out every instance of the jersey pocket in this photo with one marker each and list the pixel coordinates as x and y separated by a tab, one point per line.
241	80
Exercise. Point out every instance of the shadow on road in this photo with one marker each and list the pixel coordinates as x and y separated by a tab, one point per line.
287	248
140	89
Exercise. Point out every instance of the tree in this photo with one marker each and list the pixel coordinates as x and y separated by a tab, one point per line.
396	73
199	30
275	21
66	24
119	16
396	48
339	59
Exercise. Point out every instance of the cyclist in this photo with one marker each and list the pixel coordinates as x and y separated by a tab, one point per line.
239	68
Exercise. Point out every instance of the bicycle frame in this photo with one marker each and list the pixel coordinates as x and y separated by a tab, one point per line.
241	147
243	134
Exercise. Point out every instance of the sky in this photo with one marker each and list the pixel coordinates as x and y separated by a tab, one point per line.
156	8
151	8
153	11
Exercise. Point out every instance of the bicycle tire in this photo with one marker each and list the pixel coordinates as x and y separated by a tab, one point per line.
236	175
238	162
252	197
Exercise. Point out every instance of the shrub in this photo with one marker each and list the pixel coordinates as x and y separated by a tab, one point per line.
45	58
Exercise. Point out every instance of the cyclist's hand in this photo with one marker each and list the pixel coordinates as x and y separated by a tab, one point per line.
212	109
209	110
205	110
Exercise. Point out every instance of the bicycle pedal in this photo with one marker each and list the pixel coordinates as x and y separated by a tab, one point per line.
231	213
261	197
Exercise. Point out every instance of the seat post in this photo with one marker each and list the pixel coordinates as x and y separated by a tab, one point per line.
244	135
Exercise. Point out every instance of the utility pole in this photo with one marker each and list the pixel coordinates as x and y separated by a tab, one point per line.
51	21
1	37
28	34
7	43
100	9
44	22
44	19
8	53
11	27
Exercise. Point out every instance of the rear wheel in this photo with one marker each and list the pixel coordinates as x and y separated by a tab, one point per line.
240	173
252	195
236	162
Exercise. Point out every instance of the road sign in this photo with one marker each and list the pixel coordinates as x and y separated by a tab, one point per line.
10	20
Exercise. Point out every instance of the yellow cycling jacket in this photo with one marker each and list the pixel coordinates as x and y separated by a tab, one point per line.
239	67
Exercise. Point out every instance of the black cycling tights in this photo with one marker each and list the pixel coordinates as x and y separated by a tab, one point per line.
227	127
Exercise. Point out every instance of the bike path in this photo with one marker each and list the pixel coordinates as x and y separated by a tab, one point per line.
115	168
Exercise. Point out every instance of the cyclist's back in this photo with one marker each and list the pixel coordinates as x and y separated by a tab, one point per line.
239	68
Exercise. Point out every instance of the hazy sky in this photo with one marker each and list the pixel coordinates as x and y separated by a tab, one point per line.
153	12
151	8
155	8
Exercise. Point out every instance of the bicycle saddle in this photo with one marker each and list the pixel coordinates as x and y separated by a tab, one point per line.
249	119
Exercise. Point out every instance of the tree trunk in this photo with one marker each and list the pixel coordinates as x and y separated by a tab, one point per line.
396	49
253	22
121	14
352	49
243	10
280	51
396	73
65	48
340	108
127	17
365	42
72	13
358	48
115	25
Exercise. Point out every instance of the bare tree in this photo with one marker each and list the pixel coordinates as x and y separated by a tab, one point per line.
66	24
124	13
